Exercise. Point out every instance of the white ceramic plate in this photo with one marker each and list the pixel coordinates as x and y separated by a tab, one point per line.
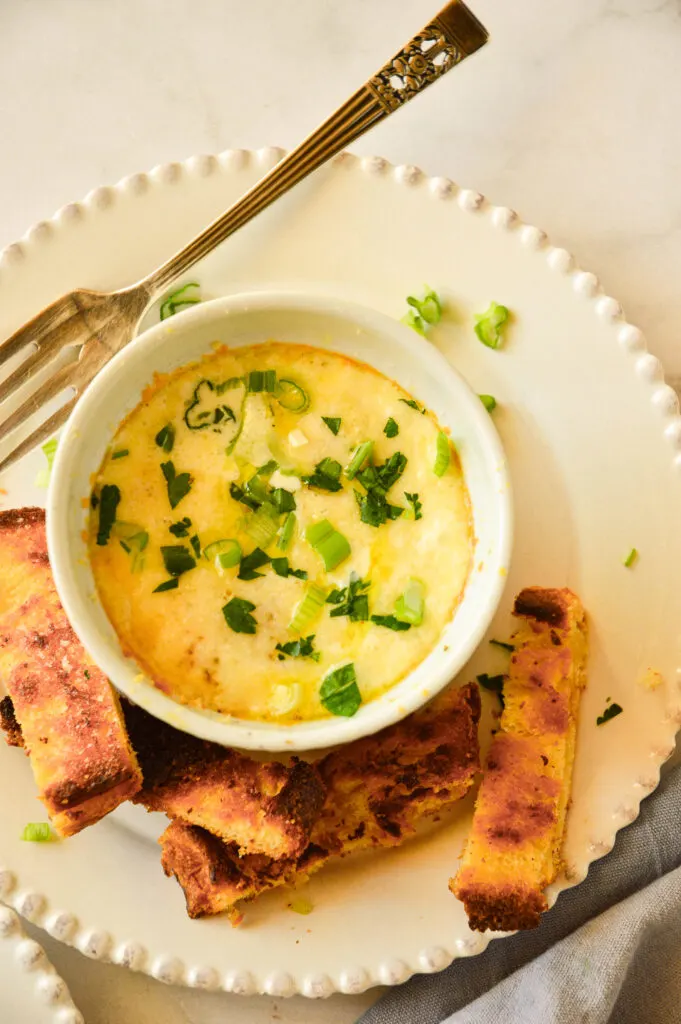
593	438
31	991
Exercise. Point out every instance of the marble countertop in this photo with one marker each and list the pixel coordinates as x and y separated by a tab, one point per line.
570	115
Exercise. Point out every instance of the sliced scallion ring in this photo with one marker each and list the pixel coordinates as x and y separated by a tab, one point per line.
410	606
224	554
443	454
262	526
329	544
309	608
291	396
286	533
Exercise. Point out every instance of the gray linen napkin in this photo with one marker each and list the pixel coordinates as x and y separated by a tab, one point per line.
600	956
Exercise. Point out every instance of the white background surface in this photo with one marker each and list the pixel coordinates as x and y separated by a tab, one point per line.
570	115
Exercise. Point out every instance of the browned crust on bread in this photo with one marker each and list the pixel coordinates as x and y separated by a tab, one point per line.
9	724
69	716
265	807
378	790
513	850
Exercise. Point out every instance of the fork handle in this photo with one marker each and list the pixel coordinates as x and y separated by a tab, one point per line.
452	35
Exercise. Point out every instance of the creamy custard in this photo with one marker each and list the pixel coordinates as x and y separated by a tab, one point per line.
326	470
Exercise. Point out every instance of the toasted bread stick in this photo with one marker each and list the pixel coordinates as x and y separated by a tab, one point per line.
513	850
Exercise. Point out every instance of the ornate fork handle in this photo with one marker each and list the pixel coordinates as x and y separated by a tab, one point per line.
454	34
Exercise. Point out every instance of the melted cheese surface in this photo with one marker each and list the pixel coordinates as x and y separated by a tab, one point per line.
180	636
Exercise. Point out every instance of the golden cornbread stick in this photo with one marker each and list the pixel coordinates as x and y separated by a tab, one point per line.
378	789
513	850
263	807
69	716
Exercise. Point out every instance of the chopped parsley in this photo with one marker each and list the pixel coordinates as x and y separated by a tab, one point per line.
120	453
109	499
181	528
326	476
283	500
250	563
374	508
237	613
503	645
301	648
171	584
177	300
416	505
413	405
612	711
333	423
177	559
493	683
86	673
391	622
196	544
282	568
489	326
165	438
351	600
239	494
339	692
179	484
391	428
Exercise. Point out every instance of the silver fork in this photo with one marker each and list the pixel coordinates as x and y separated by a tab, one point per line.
99	324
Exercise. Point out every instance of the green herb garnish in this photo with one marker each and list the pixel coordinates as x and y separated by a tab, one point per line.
301	648
612	711
237	613
410	606
339	692
179	484
109	499
503	645
224	554
282	568
120	453
261	380
333	423
443	454
351	600
326	476
49	450
493	683
391	428
239	494
171	584
489	402
165	438
37	832
283	500
490	324
374	510
177	300
329	544
86	673
250	563
308	609
415	511
203	412
360	456
181	528
177	559
291	396
630	559
423	313
286	532
413	405
391	622
262	526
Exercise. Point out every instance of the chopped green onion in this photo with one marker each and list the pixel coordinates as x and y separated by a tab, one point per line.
286	532
329	544
413	320
196	544
489	325
177	299
49	451
361	454
109	499
181	528
410	606
202	412
489	402
612	711
134	540
443	454
171	584
165	438
308	609
426	311
391	622
630	559
120	453
239	494
416	506
303	647
250	563
326	476
262	526
229	385
261	380
224	554
177	559
37	832
282	568
291	396
237	613
283	500
339	692
333	423
503	645
413	405
257	488
178	484
391	428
